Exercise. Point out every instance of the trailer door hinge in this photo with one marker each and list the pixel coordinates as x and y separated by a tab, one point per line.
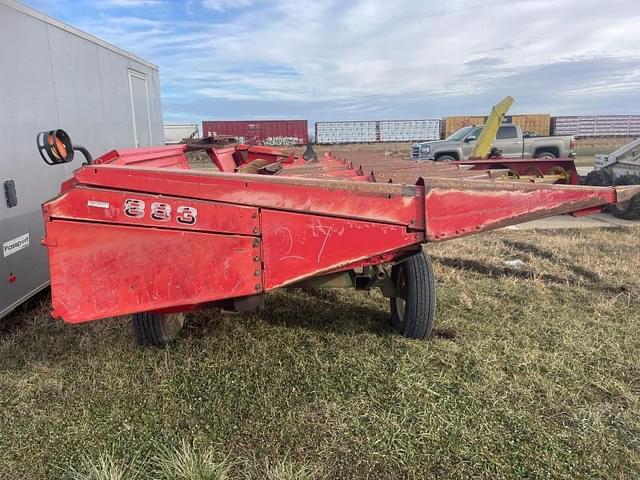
10	193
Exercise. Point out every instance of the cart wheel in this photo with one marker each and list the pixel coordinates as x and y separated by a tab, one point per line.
157	329
414	309
628	210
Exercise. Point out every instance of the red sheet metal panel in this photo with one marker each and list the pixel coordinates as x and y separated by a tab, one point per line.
223	158
400	204
151	157
457	208
297	246
159	211
272	132
99	271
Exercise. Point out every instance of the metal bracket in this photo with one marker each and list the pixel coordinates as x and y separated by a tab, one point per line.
384	282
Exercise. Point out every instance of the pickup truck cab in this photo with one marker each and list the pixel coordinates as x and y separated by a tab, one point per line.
509	140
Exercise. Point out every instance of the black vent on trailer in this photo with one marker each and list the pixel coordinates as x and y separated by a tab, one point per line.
10	193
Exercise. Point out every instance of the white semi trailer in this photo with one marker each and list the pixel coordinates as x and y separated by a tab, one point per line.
175	133
55	76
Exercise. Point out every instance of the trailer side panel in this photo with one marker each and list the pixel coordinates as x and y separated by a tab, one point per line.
56	77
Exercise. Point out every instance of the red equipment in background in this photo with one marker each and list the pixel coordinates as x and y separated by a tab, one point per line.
273	132
138	232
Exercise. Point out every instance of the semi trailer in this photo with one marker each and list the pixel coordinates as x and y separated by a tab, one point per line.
58	74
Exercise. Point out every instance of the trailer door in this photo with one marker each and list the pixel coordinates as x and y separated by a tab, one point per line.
140	109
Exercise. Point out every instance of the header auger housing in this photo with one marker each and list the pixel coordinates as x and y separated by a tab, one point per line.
139	232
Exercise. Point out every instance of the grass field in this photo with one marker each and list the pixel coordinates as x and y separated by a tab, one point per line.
533	373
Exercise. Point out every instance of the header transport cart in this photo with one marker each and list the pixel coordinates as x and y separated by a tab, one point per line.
137	231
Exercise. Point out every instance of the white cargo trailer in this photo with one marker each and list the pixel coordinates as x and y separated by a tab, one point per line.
377	131
597	125
55	76
176	132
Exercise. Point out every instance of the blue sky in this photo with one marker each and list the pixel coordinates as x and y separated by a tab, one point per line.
374	59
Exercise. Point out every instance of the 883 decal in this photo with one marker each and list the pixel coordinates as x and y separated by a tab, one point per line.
160	211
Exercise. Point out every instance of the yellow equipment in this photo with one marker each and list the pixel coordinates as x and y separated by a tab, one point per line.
490	129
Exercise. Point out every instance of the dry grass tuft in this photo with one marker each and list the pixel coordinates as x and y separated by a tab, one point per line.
284	469
106	467
187	463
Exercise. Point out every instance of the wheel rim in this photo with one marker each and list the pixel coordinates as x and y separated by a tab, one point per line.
401	297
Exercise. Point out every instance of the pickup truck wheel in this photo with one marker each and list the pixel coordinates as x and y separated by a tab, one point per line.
445	158
157	329
414	308
546	155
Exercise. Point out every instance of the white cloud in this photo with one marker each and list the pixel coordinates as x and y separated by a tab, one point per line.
332	51
130	3
223	93
221	5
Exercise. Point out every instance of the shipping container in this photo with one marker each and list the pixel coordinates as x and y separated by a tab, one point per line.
409	130
347	132
597	125
451	124
534	123
377	131
55	76
176	133
269	132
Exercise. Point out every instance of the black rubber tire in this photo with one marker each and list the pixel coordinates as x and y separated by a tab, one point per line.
628	210
598	178
156	329
413	315
546	154
446	158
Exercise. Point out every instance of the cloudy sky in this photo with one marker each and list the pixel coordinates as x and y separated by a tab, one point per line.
374	59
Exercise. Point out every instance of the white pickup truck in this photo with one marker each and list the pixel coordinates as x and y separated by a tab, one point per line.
509	140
